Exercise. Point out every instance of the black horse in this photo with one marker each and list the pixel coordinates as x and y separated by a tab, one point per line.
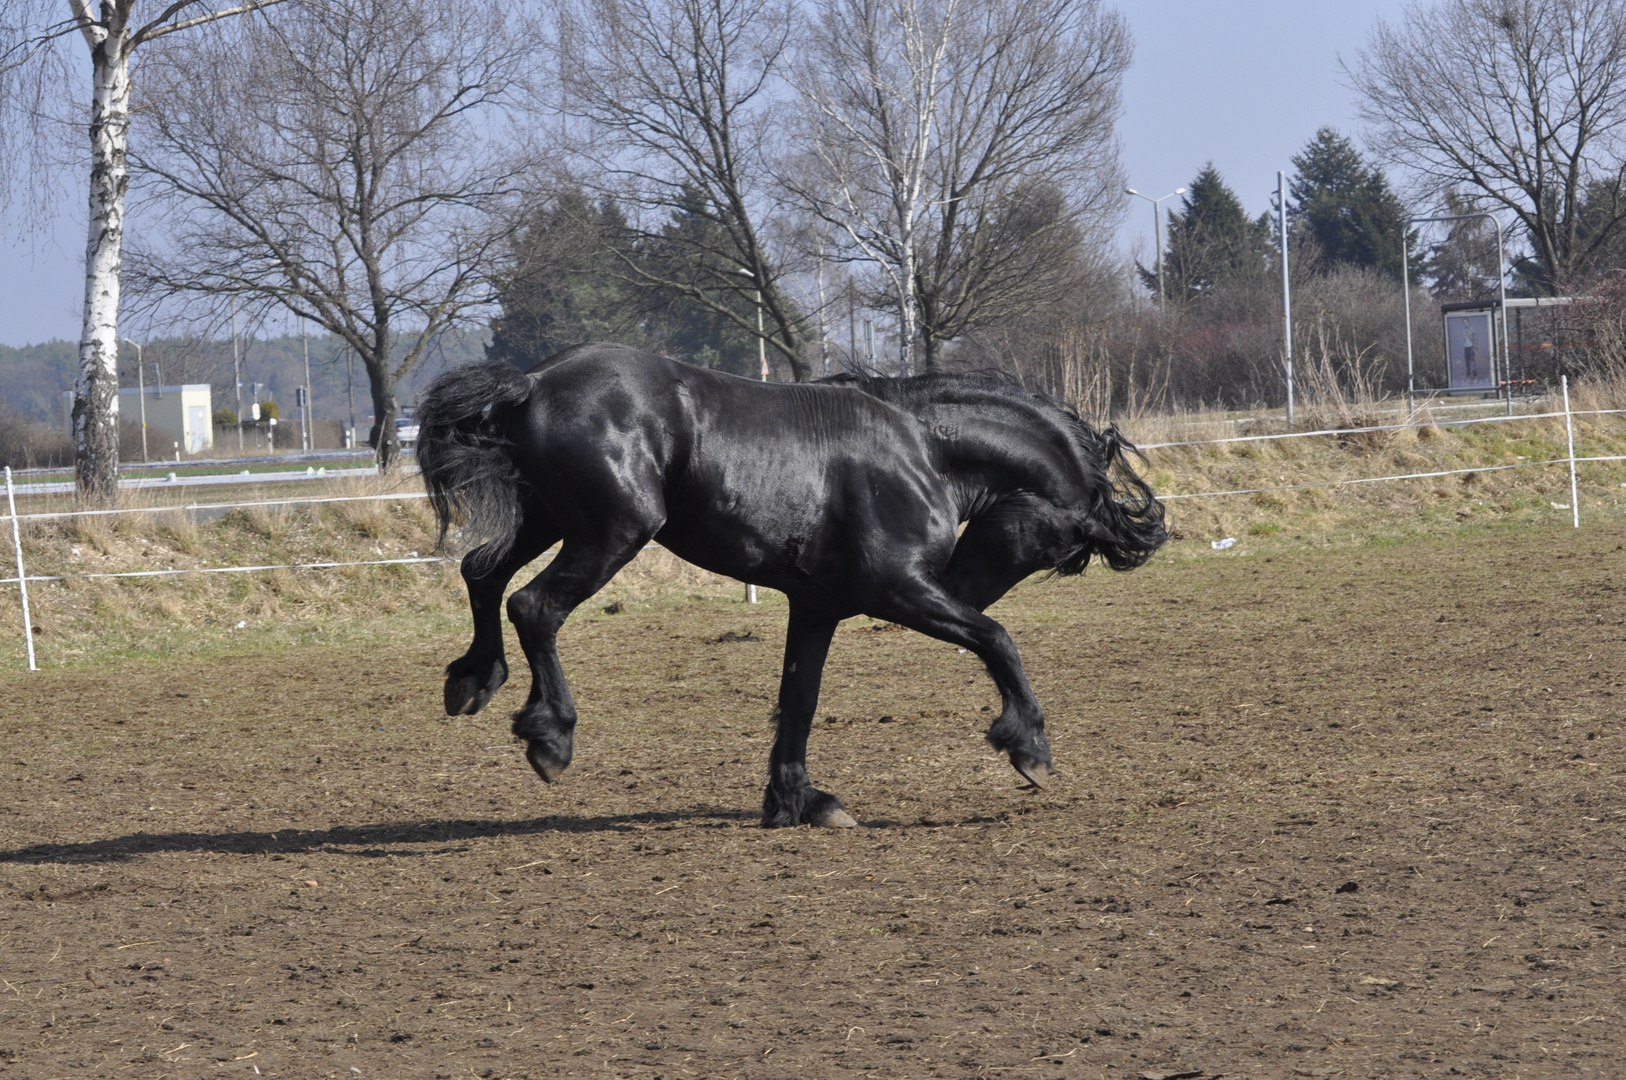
848	495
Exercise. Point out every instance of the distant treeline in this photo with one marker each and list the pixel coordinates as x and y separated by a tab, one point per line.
34	377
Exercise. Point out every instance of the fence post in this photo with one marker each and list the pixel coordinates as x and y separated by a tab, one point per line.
1569	431
22	578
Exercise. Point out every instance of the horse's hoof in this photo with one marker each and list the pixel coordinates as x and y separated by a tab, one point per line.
1037	772
463	697
836	819
547	767
469	692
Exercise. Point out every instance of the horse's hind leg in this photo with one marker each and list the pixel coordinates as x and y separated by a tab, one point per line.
928	607
791	798
582	568
475	676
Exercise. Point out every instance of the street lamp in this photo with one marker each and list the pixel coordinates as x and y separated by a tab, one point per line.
762	352
762	342
1157	230
141	397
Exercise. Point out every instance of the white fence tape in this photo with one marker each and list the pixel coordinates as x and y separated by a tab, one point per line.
229	569
221	506
1378	427
1379	479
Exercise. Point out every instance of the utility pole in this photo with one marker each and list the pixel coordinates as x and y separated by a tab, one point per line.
306	441
237	373
824	336
350	388
1287	294
141	397
762	342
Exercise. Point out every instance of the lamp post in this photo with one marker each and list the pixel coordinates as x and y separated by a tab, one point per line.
1501	301
762	342
1287	292
1157	230
237	373
762	352
141	397
307	442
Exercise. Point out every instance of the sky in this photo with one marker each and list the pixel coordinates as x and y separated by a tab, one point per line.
1241	83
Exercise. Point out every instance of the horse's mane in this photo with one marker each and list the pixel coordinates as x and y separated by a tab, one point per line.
1124	505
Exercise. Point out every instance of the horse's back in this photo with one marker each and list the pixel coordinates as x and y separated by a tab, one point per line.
784	484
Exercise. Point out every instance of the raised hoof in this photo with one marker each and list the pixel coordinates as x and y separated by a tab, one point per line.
549	768
467	694
464	697
1037	773
836	819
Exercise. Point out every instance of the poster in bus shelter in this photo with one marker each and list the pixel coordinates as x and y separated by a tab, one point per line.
1470	351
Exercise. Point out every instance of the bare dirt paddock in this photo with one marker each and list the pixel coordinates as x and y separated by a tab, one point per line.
1352	814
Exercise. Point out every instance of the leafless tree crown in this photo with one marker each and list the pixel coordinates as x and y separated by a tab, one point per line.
344	162
674	100
1523	101
958	145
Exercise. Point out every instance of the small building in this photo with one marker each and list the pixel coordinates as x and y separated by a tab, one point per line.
180	413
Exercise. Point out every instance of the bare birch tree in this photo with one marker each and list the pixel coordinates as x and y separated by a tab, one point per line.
871	84
1522	101
965	147
673	97
344	163
35	78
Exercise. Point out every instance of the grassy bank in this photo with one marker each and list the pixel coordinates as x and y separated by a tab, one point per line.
85	620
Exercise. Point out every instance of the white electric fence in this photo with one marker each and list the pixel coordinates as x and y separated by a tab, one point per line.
23	578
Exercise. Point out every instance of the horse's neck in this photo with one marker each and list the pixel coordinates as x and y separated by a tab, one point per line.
988	454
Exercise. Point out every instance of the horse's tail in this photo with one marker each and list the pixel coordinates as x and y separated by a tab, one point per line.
464	452
1125	520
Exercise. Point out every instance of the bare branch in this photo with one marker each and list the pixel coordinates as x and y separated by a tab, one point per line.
158	28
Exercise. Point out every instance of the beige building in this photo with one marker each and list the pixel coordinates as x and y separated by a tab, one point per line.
175	414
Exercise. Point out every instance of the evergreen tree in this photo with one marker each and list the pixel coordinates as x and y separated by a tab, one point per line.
581	273
1347	207
693	251
563	287
1210	241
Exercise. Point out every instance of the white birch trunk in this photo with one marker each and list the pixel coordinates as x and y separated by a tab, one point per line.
96	391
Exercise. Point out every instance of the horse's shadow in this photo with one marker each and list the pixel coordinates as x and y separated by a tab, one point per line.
365	841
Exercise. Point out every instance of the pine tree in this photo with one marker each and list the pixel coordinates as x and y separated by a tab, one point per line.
1210	241
563	288
693	251
1346	207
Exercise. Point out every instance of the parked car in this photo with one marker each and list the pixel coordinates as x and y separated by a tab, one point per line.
406	432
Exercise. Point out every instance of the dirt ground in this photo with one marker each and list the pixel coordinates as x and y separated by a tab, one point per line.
1328	814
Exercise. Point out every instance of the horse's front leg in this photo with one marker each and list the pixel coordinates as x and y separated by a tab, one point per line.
582	567
474	677
928	607
791	798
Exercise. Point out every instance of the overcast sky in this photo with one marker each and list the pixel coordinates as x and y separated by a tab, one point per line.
1244	85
